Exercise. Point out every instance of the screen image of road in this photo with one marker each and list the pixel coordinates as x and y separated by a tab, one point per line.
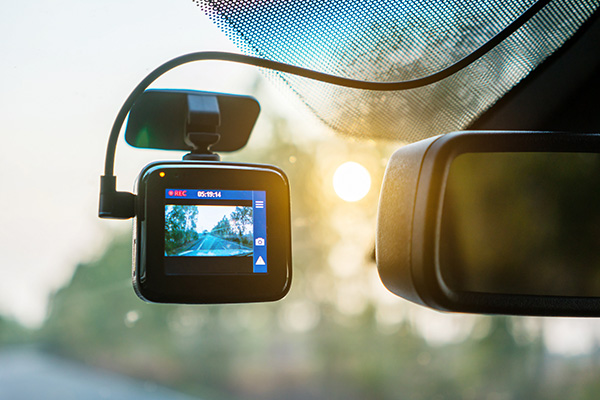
213	231
208	231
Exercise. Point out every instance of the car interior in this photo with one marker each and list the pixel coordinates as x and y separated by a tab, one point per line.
399	202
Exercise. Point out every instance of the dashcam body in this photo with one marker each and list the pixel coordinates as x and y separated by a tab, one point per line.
211	232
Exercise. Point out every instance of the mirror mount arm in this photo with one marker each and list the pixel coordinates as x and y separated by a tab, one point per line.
202	143
203	119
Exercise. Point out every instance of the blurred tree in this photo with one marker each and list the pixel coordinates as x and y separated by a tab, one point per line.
12	333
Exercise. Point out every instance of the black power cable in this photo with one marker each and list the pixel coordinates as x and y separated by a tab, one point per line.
108	183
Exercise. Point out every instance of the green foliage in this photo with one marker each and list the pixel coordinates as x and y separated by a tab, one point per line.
180	227
12	333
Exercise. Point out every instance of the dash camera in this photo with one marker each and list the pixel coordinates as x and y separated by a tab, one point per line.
205	231
212	232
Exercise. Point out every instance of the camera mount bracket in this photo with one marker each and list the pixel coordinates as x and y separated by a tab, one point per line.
203	118
202	143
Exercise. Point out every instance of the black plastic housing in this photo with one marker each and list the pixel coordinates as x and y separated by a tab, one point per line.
409	220
161	119
151	280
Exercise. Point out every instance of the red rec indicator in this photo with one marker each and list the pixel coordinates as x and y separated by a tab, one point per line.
178	193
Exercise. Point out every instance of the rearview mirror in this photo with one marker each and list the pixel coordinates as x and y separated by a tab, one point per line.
159	116
494	222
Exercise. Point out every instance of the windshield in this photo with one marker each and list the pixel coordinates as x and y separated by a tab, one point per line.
70	323
387	40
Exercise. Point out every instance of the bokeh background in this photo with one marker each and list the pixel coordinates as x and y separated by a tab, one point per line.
69	319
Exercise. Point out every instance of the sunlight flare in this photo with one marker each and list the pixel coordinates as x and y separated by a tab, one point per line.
351	181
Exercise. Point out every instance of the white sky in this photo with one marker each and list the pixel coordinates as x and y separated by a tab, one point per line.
66	68
208	217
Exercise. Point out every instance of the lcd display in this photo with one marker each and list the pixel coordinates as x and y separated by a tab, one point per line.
203	231
215	231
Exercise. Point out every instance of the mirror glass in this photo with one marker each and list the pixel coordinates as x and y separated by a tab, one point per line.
522	223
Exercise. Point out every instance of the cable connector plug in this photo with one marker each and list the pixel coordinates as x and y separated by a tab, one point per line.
113	204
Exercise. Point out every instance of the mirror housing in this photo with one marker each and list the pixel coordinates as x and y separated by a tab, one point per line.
160	119
411	210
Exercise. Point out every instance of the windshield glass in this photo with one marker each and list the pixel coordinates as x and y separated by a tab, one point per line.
70	323
387	40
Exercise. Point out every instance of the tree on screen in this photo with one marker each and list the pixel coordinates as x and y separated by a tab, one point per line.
180	227
241	219
223	228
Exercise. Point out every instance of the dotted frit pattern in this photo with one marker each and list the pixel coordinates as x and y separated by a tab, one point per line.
390	40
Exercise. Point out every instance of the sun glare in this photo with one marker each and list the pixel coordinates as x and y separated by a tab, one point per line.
351	181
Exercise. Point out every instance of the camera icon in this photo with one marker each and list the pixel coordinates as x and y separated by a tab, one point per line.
259	242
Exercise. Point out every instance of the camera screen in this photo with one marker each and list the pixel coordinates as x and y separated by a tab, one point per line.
215	231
